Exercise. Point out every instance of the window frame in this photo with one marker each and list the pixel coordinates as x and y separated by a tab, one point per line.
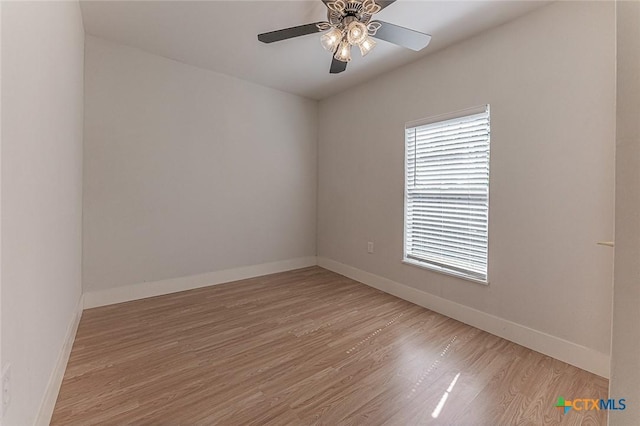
434	266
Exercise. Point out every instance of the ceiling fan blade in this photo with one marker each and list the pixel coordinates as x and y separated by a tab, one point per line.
337	66
287	33
411	39
384	3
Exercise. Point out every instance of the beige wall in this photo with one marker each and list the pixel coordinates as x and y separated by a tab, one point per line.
550	79
42	68
625	350
188	171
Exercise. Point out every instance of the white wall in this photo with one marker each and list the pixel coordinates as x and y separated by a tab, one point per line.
42	69
188	171
625	348
550	79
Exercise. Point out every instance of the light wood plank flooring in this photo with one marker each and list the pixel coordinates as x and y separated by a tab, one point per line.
305	347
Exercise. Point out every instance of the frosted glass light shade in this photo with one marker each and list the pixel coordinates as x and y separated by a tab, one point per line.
367	45
344	52
356	32
331	39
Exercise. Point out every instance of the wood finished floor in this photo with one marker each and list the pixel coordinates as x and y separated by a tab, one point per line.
305	347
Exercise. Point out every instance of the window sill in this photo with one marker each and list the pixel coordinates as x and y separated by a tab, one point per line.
434	268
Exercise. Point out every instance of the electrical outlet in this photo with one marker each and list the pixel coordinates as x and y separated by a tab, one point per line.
6	388
370	247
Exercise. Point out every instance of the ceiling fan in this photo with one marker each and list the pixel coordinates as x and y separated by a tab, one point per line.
349	23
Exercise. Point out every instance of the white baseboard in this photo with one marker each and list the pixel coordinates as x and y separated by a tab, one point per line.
555	347
93	299
55	380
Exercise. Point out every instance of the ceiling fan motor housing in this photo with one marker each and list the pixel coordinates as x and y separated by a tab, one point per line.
338	11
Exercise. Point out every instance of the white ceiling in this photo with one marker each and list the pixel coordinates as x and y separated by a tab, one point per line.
221	36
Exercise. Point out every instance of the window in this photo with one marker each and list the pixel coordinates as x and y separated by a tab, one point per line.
447	193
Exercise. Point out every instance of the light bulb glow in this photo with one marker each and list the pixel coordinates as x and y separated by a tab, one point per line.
367	46
331	39
343	53
356	32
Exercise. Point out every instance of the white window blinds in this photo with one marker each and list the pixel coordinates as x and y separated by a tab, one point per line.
447	192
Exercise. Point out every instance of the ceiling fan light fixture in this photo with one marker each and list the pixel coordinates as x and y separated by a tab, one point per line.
370	7
350	23
343	53
373	27
337	6
367	46
356	32
331	39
